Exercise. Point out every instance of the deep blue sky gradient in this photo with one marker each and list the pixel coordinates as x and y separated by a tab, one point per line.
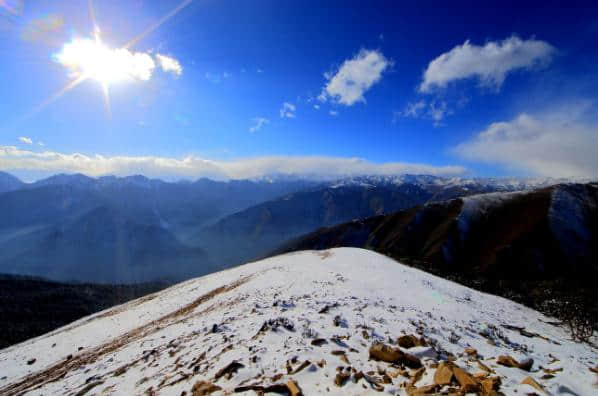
294	43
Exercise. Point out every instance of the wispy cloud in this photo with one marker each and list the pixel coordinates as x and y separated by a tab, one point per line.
489	63
435	110
217	78
192	167
26	140
355	77
259	123
333	113
169	64
559	143
287	110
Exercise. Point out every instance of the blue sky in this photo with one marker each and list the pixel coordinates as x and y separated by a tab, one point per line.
379	88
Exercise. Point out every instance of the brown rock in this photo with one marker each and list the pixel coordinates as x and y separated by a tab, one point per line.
471	351
410	341
532	382
301	367
31	361
484	367
508	361
465	379
386	353
203	388
593	369
526	364
294	389
319	342
444	374
229	370
341	378
491	384
417	375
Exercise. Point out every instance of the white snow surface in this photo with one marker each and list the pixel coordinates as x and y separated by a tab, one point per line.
166	342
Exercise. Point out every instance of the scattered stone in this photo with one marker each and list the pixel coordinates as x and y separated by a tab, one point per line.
509	361
319	342
301	367
321	363
341	378
229	370
471	352
120	371
592	369
417	375
386	353
410	341
557	370
31	361
532	382
484	367
204	388
274	324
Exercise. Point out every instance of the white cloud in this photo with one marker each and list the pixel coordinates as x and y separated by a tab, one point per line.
317	106
94	59
490	63
259	123
355	76
333	113
26	140
192	167
169	64
557	144
287	110
40	143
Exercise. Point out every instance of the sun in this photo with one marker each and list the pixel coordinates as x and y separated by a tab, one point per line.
91	58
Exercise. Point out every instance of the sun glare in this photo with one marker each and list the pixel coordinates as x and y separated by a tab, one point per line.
93	59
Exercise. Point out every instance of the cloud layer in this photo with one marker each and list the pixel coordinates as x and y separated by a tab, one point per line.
559	144
193	167
355	76
489	63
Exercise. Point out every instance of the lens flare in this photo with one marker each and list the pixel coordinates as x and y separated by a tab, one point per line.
93	59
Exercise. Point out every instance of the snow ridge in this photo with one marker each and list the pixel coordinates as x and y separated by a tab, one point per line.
341	321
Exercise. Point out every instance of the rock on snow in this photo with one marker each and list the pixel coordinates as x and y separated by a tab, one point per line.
304	323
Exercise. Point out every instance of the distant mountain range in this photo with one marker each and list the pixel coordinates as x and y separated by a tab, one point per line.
135	229
132	229
254	232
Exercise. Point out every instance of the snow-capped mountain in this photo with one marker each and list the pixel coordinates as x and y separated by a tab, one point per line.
341	321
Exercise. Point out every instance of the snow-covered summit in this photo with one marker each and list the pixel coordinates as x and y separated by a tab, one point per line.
310	322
